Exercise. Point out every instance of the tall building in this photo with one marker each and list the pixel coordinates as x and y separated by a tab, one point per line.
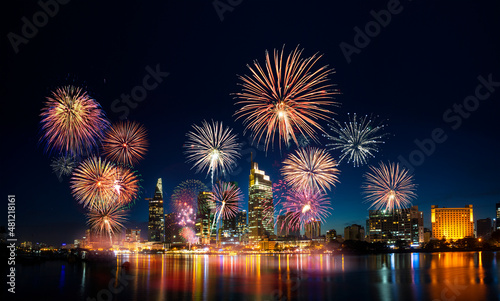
260	195
133	235
295	232
172	229
483	227
354	232
204	217
312	229
390	226
156	225
452	223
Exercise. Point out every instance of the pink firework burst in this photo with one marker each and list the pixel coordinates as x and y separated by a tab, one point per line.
302	206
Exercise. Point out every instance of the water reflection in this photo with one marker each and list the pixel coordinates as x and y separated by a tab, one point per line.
412	276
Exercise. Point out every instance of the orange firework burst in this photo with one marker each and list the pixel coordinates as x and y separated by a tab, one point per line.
310	168
285	97
72	122
97	182
107	219
389	187
125	142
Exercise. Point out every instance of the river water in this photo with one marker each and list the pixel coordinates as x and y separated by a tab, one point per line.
410	276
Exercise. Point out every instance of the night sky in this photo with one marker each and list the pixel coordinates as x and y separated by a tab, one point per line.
424	61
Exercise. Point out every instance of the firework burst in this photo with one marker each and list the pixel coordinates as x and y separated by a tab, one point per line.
92	183
357	140
227	198
389	187
186	194
125	142
212	147
302	206
107	219
310	168
125	185
72	122
189	235
63	165
285	97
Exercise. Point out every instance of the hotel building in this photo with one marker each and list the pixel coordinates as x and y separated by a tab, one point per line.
452	223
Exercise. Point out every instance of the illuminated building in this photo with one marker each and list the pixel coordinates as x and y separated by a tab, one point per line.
235	227
156	225
133	235
312	229
172	229
204	217
390	226
452	223
483	227
260	194
280	226
331	235
354	232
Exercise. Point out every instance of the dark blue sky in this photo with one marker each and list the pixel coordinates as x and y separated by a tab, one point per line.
425	60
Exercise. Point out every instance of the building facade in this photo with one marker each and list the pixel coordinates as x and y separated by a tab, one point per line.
312	229
331	235
452	223
260	196
483	227
133	235
391	226
204	217
497	219
156	224
172	229
354	232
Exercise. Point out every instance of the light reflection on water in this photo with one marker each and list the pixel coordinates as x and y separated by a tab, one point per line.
411	276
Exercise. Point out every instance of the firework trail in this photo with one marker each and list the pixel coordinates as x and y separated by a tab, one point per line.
302	206
125	143
72	122
227	198
107	219
212	147
310	168
270	210
125	185
63	165
357	140
285	97
389	187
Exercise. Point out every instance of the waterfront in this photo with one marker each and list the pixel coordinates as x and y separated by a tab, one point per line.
411	276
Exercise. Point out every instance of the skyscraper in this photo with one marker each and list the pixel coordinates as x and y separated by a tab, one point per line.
483	227
388	226
497	219
156	225
204	217
172	229
452	223
312	229
260	195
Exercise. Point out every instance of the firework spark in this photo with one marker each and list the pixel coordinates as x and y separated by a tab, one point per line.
302	206
311	168
72	122
125	185
357	140
227	198
189	235
125	142
186	216
389	187
212	147
285	97
63	165
107	219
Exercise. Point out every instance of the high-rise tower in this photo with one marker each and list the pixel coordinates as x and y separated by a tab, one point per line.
156	225
260	196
